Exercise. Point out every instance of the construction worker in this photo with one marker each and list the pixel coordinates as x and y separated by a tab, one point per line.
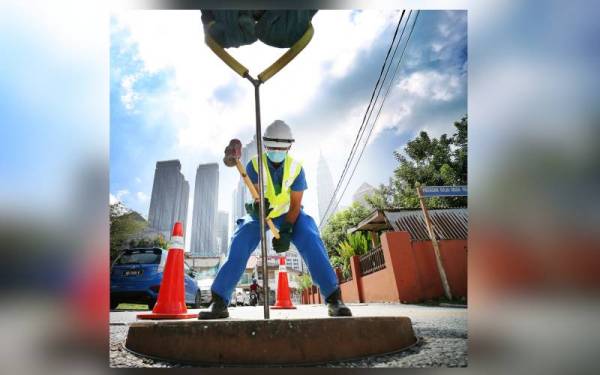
285	184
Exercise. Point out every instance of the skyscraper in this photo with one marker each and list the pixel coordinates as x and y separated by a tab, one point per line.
249	151
222	232
183	203
362	192
324	187
205	210
238	210
169	200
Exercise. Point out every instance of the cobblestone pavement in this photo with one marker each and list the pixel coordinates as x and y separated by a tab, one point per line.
442	333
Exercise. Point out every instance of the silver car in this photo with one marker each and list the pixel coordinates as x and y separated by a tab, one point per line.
204	286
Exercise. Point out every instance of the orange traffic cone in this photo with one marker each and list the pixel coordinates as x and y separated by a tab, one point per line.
283	290
171	295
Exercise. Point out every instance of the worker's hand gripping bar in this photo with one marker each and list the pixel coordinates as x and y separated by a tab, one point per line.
274	68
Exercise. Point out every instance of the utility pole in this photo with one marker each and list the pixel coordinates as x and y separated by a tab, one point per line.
436	248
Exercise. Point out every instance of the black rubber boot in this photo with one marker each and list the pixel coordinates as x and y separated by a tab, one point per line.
216	310
335	306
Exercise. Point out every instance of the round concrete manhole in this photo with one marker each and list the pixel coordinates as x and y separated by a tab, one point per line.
277	341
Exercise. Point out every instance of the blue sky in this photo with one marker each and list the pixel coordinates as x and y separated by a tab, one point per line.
170	97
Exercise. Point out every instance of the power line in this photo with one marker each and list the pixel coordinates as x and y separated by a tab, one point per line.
375	94
362	126
379	111
380	107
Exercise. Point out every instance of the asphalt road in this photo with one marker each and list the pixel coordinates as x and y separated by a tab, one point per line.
442	333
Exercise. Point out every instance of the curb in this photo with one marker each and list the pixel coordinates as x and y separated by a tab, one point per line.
453	305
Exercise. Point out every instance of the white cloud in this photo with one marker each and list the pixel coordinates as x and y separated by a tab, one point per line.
138	180
204	125
339	37
391	117
129	97
432	84
444	29
175	39
112	199
452	27
142	197
120	194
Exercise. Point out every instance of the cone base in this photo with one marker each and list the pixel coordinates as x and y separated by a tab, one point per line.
167	316
283	304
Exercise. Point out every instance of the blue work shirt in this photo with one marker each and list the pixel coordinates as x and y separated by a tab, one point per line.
299	183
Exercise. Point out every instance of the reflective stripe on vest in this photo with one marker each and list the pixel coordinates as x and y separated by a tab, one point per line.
280	203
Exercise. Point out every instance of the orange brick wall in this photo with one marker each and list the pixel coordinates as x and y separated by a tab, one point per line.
373	290
349	292
411	273
454	256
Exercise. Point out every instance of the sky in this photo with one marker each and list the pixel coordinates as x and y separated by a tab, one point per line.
172	98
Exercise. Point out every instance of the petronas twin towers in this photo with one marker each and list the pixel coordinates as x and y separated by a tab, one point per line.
324	186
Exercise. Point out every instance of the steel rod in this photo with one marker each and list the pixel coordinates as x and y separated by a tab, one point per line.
261	194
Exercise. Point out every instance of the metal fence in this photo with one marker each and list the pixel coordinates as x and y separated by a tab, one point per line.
372	261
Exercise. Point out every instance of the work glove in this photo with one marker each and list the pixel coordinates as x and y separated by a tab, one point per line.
252	209
282	28
282	244
229	28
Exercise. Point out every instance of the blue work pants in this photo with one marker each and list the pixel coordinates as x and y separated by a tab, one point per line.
245	239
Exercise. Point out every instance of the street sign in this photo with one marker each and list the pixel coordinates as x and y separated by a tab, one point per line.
444	191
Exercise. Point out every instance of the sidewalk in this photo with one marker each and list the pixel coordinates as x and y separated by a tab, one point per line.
415	312
442	331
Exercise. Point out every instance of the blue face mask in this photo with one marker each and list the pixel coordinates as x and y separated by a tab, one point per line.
276	156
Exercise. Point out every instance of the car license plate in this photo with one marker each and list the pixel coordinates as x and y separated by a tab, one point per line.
133	272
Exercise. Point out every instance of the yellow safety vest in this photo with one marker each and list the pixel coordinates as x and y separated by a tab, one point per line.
280	203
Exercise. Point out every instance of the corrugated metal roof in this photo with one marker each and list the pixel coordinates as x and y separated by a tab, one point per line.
448	224
376	221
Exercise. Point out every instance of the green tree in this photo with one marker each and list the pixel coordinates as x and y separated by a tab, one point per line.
122	227
149	242
426	161
354	244
304	282
334	232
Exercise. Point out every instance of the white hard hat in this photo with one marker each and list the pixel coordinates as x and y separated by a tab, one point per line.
278	135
